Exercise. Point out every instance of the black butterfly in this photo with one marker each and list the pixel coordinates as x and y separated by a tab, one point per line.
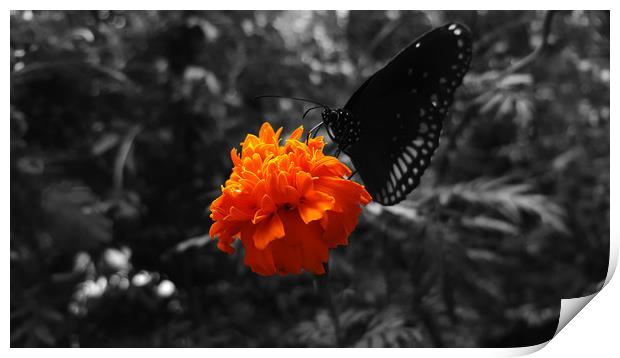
391	125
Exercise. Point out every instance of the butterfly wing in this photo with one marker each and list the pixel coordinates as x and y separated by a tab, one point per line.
401	109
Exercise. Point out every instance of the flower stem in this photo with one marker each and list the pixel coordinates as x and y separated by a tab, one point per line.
323	285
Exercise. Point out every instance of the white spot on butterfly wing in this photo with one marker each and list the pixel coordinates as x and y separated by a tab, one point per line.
452	27
402	164
423	128
407	157
396	172
389	186
457	32
413	151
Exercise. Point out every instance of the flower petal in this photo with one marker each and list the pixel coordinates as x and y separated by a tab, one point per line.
314	205
289	204
335	233
268	207
304	184
296	133
266	133
268	230
313	252
260	261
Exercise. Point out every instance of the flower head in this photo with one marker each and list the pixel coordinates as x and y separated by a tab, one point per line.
289	204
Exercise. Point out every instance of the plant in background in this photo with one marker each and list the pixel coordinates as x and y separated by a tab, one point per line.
289	204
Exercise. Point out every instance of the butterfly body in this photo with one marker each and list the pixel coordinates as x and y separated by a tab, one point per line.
391	126
342	126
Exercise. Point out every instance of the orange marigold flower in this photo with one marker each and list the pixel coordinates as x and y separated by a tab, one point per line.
289	204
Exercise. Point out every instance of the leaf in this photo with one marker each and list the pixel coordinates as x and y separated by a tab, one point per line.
516	80
388	329
43	333
506	107
105	143
317	333
509	200
524	110
74	220
494	101
487	223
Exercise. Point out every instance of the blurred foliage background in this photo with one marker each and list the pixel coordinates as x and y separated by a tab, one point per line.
121	127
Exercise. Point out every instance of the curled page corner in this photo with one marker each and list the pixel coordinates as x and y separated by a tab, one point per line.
570	307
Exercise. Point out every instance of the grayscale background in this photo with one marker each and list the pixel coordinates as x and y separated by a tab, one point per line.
121	126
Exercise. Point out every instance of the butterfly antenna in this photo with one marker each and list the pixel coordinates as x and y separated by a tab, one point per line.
293	98
308	111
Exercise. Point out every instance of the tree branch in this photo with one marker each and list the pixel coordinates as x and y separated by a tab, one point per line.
472	110
544	43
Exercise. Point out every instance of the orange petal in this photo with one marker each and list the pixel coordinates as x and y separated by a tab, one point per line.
266	133
304	183
296	133
215	229
268	230
234	156
276	136
267	208
224	244
313	252
259	190
335	233
260	261
314	205
330	166
345	192
280	191
238	214
286	257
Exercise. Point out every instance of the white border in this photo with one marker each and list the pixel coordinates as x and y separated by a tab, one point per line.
594	330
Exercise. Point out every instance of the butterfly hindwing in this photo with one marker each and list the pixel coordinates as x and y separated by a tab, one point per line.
393	167
401	108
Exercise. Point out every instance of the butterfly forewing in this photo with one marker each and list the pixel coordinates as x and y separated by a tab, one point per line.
401	108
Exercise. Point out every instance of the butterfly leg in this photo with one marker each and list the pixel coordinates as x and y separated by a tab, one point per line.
352	174
314	129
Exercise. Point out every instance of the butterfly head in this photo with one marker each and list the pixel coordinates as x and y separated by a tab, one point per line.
342	126
330	116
